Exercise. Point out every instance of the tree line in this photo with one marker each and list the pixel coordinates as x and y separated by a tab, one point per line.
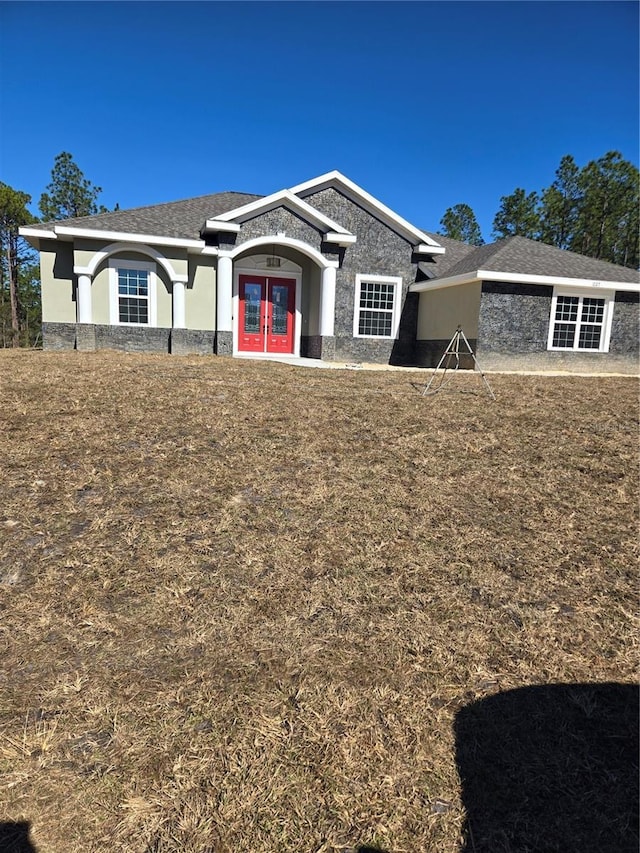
68	195
591	210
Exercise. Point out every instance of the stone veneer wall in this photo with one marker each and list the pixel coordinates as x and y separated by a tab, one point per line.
513	331
625	326
89	337
378	251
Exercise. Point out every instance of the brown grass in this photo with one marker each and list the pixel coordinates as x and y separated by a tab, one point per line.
242	604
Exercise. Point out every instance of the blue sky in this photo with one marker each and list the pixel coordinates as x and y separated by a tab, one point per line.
425	105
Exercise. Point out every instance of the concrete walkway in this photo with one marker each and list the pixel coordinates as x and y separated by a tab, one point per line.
299	361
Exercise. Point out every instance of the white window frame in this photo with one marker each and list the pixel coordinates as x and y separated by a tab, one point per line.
395	312
607	317
114	297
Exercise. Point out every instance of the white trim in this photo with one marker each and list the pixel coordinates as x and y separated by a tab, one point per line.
395	313
424	249
113	248
521	278
84	299
219	225
25	231
340	239
326	326
367	201
91	233
152	302
276	241
608	296
296	277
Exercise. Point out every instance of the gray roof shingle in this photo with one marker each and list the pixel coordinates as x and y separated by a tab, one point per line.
455	251
180	219
520	255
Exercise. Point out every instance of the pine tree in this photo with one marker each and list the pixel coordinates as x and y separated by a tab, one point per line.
459	223
15	252
518	215
560	205
607	221
69	194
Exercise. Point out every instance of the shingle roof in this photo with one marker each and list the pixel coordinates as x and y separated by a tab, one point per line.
181	219
519	255
440	264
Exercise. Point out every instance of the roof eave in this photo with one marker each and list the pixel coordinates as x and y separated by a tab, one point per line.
523	278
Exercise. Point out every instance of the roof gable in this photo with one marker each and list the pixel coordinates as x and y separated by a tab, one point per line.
420	239
333	231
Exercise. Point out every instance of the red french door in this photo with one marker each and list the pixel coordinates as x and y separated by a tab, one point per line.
267	314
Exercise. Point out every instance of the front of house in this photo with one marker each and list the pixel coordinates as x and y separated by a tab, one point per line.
326	271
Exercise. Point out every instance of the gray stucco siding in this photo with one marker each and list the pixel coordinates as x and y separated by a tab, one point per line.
513	332
625	325
279	220
378	250
514	318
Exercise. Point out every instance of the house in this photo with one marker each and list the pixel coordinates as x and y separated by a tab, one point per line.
324	270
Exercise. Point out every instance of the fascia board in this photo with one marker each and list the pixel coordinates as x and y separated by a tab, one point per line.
340	239
368	201
286	198
517	278
40	233
423	249
95	234
552	280
440	283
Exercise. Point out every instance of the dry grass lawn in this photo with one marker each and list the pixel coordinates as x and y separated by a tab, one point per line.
249	607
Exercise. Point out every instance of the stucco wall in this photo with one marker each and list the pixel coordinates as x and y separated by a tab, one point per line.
57	282
200	293
440	312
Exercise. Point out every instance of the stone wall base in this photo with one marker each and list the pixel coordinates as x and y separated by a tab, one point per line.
58	336
192	342
87	337
224	343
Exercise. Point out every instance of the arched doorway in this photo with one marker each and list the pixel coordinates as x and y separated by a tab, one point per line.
267	305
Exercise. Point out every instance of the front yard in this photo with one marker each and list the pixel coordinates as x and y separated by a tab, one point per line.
253	607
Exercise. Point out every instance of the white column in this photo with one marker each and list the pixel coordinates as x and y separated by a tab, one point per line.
85	314
327	301
178	305
224	293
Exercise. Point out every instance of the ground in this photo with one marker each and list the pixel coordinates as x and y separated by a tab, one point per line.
254	607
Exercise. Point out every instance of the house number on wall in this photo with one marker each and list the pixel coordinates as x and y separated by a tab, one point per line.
595	283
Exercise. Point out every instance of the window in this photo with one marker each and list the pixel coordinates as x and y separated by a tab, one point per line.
132	293
580	322
377	301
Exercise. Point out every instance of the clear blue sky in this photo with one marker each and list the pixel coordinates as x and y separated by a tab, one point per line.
423	104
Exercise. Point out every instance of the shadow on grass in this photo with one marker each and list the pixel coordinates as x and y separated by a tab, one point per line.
551	768
14	837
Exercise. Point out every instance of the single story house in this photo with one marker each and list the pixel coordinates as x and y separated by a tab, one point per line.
325	270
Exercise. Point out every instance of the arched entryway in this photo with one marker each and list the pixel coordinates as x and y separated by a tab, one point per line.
282	297
267	305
